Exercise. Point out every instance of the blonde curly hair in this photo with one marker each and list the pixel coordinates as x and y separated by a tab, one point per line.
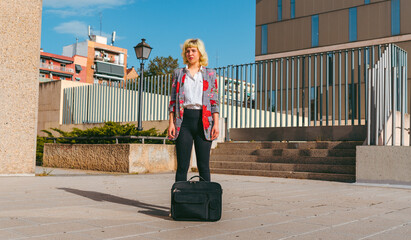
197	43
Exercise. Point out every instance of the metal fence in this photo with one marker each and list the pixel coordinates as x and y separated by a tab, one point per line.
117	101
387	99
320	89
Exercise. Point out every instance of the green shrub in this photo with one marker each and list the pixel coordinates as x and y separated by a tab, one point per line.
109	129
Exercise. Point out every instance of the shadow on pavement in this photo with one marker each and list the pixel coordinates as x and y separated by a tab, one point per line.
149	209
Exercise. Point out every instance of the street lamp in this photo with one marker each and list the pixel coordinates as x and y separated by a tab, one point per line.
143	51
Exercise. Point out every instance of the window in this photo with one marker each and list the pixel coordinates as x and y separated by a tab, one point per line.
273	101
352	103
264	39
292	9
280	9
62	78
352	24
313	102
367	1
42	60
330	68
314	31
395	17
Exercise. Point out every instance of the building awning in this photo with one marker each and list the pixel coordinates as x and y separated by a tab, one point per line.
109	69
108	77
62	60
56	73
78	68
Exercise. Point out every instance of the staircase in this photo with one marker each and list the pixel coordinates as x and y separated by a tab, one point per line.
330	161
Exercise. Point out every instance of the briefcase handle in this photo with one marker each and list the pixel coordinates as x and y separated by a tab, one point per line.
201	178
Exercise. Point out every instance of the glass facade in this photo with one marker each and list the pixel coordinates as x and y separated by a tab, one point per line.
352	24
280	9
314	31
264	39
367	1
395	17
292	15
273	100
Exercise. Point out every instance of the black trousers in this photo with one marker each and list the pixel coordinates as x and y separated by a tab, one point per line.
192	130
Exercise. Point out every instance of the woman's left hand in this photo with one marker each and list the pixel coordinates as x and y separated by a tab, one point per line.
215	132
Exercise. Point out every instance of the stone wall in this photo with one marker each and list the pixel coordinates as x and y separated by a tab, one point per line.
383	164
20	23
126	158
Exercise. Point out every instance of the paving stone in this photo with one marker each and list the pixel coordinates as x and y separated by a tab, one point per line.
8	234
125	230
47	229
13	222
104	206
194	232
367	227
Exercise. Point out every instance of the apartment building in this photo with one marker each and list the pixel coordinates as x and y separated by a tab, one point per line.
57	67
105	62
317	36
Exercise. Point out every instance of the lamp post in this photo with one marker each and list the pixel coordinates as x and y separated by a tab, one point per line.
143	51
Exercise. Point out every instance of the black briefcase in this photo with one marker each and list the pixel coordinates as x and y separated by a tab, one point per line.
196	200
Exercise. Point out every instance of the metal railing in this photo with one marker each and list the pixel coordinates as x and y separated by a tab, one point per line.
319	89
142	138
117	101
387	99
56	67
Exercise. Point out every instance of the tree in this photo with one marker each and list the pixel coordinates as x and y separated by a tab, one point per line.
161	66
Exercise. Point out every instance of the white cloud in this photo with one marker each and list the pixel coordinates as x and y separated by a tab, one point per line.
77	4
80	29
76	28
66	8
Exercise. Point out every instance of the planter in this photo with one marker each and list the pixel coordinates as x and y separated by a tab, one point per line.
126	158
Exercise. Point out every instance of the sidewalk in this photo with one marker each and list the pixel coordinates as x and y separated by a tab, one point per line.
71	204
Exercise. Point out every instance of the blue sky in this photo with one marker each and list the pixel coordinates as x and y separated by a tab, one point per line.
227	27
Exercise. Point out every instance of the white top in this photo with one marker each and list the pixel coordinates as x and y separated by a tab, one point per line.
193	89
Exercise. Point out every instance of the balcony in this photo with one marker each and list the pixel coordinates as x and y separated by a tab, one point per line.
56	68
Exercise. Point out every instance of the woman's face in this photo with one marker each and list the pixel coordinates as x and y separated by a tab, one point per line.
193	55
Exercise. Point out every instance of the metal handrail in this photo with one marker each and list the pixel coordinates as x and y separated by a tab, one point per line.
111	138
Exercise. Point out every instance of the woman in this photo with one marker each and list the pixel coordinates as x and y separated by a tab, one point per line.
194	110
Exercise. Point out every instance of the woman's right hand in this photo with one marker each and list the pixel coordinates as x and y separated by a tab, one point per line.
171	131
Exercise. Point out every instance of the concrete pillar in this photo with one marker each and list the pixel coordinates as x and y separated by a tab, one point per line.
20	23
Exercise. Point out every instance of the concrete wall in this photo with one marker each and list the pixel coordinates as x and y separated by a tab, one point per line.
51	102
383	165
20	23
126	158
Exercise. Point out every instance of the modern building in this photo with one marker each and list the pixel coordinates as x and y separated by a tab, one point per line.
317	36
57	67
237	91
105	62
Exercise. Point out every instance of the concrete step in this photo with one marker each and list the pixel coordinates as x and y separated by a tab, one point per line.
306	160
280	159
306	152
234	151
283	174
314	168
233	158
292	145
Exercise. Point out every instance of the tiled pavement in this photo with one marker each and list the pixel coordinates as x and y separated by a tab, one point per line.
70	204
